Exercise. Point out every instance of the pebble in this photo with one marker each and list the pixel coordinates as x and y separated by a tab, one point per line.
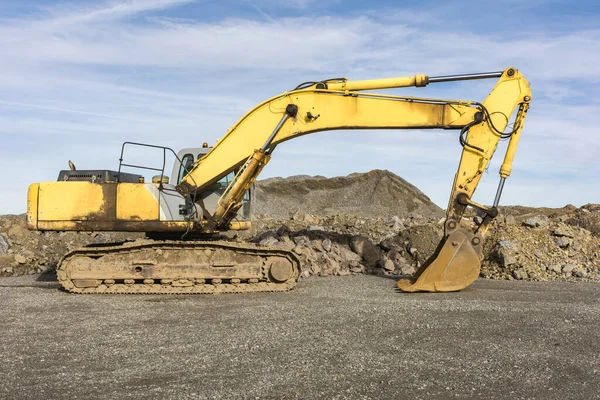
568	268
581	273
563	242
268	241
555	268
562	231
520	274
536	221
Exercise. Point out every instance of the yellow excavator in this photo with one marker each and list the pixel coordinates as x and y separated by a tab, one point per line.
209	192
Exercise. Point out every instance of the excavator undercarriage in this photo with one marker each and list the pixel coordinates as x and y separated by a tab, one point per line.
171	267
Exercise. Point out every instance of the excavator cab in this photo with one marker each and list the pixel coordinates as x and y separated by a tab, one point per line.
184	163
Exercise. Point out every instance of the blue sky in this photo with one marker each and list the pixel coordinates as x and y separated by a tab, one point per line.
79	78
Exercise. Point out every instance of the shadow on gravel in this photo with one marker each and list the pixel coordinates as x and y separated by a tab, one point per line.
49	276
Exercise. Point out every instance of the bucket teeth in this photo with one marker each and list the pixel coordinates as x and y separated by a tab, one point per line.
454	267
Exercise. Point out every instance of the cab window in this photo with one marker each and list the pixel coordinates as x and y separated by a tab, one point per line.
186	163
226	180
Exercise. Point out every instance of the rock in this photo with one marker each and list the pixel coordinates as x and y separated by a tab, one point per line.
407	270
509	244
298	216
310	219
397	223
563	242
283	230
506	256
333	267
268	238
285	244
555	268
4	246
20	259
299	249
350	257
315	228
268	241
387	264
520	274
7	270
580	273
359	269
567	269
562	231
326	244
366	249
536	221
301	240
317	245
386	245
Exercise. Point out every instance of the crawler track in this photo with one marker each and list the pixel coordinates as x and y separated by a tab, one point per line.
178	267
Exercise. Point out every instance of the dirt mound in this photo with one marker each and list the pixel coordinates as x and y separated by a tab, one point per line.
373	194
535	246
30	252
587	217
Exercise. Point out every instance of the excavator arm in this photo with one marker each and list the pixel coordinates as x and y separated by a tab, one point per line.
341	104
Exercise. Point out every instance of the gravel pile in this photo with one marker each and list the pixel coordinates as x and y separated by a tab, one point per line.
371	195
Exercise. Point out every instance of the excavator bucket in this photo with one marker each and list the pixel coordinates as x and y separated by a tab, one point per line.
453	267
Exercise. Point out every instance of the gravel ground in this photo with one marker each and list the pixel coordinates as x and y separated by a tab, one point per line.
344	337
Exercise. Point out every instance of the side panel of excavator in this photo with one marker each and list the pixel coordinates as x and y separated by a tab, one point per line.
104	200
108	206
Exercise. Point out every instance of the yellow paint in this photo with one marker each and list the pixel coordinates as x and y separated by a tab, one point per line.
73	201
131	226
32	206
387	83
509	92
135	202
240	225
336	111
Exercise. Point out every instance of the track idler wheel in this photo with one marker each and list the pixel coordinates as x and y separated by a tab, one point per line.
281	270
454	267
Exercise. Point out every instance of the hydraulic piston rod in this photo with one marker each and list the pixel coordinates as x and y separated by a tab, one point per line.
465	77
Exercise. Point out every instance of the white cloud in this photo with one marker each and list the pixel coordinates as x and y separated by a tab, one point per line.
80	78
